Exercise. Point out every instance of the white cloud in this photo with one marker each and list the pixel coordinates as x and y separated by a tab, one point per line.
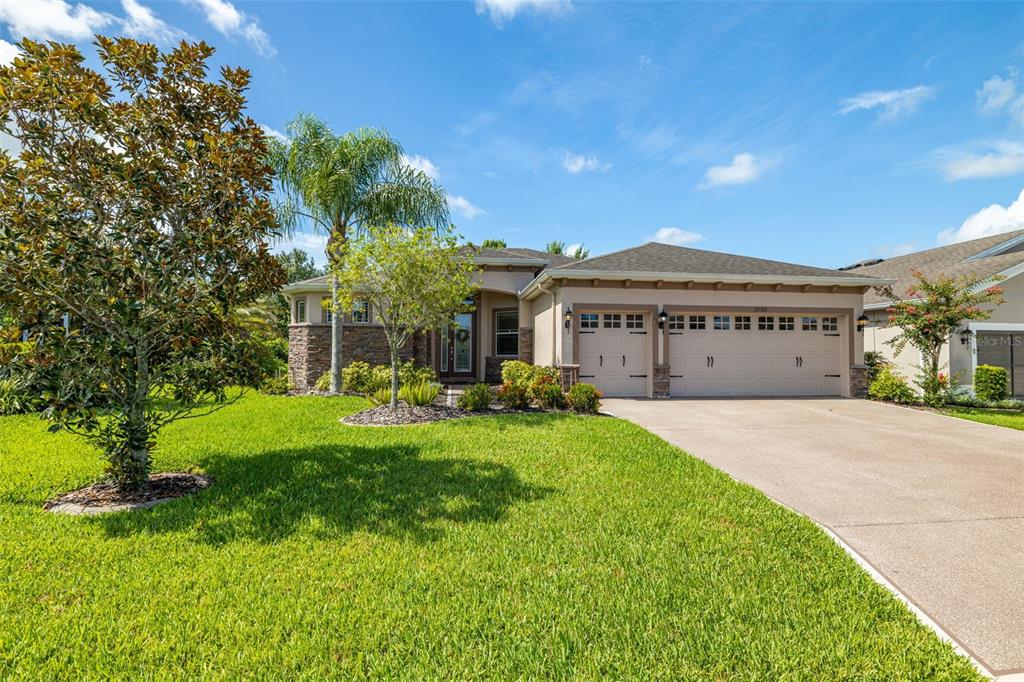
463	207
893	104
653	142
423	164
52	20
271	132
994	219
231	22
8	52
140	22
577	163
501	11
993	160
743	169
999	94
675	236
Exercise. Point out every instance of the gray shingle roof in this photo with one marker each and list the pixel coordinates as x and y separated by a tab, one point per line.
654	257
952	261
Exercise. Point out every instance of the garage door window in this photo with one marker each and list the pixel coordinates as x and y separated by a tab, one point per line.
698	322
830	324
722	322
766	324
612	321
634	321
809	324
677	322
742	322
588	321
787	324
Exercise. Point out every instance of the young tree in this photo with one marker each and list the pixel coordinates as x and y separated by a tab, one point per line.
934	309
341	183
494	244
415	280
579	253
139	207
556	248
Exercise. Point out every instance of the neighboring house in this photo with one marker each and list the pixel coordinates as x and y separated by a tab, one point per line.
996	341
654	320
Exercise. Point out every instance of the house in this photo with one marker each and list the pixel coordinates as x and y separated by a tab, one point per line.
650	321
996	341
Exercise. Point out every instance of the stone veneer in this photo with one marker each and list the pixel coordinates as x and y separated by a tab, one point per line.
661	381
526	344
309	350
568	375
858	381
492	369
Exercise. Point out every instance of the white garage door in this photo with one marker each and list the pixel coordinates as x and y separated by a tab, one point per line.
723	354
613	352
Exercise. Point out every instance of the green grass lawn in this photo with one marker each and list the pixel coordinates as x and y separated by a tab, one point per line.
1011	419
520	546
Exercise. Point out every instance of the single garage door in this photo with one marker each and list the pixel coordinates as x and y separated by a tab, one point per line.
724	354
614	352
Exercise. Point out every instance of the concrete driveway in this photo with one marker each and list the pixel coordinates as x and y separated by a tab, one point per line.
935	504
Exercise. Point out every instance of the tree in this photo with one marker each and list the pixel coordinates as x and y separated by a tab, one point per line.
414	279
934	310
579	251
139	207
342	183
494	244
556	248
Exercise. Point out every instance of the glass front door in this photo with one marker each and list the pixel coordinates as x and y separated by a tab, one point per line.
455	349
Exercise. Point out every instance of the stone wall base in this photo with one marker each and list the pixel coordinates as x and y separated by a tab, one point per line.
569	375
492	369
309	350
661	381
858	381
526	344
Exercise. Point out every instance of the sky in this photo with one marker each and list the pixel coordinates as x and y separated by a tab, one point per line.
813	133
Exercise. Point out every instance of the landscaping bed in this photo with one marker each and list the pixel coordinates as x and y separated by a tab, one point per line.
404	414
104	496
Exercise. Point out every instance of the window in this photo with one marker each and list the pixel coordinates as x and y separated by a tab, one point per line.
787	324
360	312
830	324
809	324
766	324
698	322
612	320
742	322
588	320
722	322
506	332
634	321
677	322
300	311
325	306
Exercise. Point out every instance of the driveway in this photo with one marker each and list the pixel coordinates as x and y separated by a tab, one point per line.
933	503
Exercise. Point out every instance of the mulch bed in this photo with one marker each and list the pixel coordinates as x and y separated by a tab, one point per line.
105	496
385	416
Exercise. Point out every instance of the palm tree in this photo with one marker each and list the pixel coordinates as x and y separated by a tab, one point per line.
342	183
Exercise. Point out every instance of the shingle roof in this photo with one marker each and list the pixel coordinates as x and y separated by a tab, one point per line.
954	260
654	257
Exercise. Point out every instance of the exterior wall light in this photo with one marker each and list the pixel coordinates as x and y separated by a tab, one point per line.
568	318
862	322
662	319
965	336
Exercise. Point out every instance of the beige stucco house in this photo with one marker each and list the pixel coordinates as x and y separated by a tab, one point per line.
996	341
651	321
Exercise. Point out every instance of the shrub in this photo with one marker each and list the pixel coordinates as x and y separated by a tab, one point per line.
584	398
382	396
356	378
422	393
360	377
476	398
410	373
514	396
323	384
517	372
275	385
890	386
13	398
874	361
990	383
547	393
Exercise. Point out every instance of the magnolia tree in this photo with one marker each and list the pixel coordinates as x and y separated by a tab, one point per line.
414	279
934	310
133	222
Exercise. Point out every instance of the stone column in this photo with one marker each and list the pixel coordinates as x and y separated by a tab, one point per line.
569	375
526	344
309	354
858	381
661	381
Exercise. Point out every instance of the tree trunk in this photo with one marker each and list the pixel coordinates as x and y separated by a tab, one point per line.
337	329
128	453
394	378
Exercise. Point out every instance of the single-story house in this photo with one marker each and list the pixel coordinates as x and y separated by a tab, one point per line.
996	341
650	321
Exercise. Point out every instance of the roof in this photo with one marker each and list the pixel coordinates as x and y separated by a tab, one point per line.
982	258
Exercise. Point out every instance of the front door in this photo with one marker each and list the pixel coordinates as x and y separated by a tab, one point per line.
457	349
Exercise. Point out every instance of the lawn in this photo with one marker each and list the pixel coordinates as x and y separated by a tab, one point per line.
523	546
1011	419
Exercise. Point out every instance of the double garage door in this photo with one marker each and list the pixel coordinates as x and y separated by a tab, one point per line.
715	354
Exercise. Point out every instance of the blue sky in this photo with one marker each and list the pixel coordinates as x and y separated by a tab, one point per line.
813	133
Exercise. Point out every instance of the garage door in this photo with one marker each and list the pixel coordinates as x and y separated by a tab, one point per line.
723	354
614	352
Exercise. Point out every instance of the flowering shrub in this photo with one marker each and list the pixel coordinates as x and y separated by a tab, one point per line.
584	398
514	396
547	393
990	383
476	398
891	387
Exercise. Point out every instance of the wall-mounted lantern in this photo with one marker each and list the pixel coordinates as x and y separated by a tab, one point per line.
568	318
965	336
862	322
662	319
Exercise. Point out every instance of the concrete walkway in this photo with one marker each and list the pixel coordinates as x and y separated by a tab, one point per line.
933	503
